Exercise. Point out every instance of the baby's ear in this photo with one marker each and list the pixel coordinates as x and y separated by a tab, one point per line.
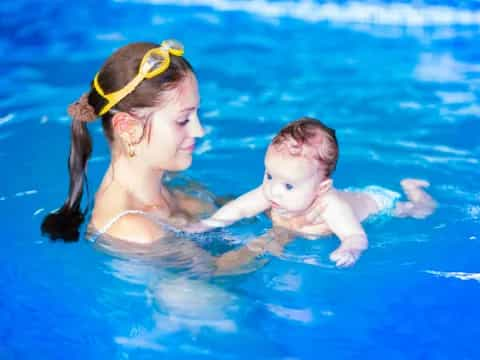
324	186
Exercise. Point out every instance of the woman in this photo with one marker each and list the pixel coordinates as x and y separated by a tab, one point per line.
147	97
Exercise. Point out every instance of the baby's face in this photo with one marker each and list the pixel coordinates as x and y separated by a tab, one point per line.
290	182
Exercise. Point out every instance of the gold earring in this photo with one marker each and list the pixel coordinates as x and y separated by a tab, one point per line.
131	150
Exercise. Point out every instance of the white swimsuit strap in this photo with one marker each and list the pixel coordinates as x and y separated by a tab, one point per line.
109	224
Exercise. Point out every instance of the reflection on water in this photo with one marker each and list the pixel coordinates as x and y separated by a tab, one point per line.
173	252
176	302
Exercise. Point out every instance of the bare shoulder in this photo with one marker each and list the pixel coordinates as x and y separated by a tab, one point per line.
136	228
112	207
337	203
335	199
341	215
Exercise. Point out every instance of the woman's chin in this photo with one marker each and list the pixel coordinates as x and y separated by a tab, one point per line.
183	163
179	163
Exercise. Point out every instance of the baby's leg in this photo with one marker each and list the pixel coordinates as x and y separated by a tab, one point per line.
419	204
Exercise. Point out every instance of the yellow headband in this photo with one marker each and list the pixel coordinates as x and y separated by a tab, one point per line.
154	62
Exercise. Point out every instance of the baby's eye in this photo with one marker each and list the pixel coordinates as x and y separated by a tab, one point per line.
269	177
289	186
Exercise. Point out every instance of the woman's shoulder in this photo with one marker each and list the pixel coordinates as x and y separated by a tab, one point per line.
113	216
130	225
136	227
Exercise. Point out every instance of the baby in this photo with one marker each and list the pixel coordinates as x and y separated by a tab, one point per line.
298	193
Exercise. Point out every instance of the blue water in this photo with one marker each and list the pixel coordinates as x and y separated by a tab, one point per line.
401	84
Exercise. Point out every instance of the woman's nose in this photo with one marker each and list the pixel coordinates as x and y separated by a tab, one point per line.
196	129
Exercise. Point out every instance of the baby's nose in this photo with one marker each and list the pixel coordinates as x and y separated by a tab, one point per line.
276	190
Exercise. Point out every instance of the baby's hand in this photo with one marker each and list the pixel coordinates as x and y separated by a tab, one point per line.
345	256
198	227
205	225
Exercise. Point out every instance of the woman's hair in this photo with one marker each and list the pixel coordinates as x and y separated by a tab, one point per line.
119	69
309	137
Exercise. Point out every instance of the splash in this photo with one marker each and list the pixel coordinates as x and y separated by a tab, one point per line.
456	275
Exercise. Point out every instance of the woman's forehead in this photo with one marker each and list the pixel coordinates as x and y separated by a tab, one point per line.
186	93
183	96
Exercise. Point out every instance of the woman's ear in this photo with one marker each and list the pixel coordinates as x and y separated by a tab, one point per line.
324	186
127	127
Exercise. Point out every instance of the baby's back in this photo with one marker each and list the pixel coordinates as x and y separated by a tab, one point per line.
363	204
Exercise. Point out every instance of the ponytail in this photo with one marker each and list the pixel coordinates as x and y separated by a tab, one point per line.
65	222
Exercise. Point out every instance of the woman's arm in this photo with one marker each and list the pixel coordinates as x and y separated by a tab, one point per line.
272	242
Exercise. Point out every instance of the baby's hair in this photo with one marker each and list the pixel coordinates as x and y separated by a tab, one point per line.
309	137
119	69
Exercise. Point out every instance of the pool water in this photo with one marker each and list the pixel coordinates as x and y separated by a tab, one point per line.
400	82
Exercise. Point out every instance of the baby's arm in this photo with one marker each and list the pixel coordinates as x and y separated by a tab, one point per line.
341	219
247	205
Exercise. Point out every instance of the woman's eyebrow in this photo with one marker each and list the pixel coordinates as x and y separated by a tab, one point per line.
191	108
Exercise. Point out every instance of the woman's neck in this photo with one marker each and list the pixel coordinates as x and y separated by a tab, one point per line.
143	184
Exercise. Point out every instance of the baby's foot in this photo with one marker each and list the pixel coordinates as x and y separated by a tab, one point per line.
414	183
414	190
420	204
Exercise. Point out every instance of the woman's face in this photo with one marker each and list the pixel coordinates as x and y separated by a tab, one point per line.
174	127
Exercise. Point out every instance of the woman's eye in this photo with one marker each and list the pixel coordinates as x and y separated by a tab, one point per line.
289	186
269	177
183	122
